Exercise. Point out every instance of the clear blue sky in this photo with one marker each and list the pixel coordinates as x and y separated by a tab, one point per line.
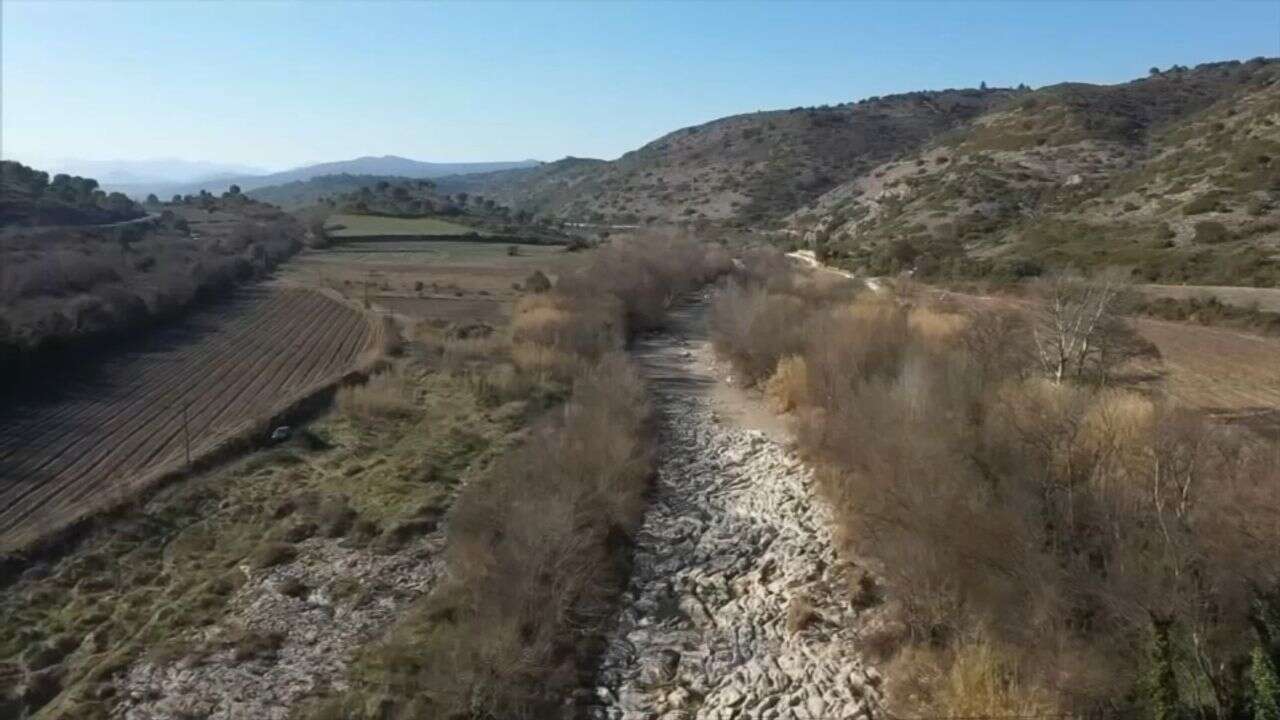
283	84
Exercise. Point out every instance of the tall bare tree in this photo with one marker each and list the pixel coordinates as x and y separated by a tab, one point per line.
1079	330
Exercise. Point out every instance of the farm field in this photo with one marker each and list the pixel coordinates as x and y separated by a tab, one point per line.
72	444
1215	369
450	281
1230	373
350	226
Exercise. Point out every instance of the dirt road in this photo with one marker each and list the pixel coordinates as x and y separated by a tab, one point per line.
738	604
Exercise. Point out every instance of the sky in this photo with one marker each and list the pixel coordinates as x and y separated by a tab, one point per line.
282	84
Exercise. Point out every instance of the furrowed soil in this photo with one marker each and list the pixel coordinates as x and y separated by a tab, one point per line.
738	605
246	592
249	590
72	443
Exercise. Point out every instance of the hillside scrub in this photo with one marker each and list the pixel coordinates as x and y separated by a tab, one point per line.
29	198
1169	177
539	545
1039	540
62	288
1209	310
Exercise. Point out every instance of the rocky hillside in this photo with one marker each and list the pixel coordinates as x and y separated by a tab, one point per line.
752	168
1175	176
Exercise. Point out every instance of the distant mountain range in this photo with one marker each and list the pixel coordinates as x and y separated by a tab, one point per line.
387	165
154	171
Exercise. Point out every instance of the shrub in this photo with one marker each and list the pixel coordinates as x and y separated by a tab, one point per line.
1210	232
270	554
383	396
537	282
1200	205
788	387
538	545
1028	533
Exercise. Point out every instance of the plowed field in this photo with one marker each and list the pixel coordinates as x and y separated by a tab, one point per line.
80	440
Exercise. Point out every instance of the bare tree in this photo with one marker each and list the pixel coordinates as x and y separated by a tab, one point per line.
1079	331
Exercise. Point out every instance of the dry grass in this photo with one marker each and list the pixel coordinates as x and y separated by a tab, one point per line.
387	395
975	680
788	387
935	326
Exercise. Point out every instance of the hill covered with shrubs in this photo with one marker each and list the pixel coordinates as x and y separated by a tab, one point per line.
1175	176
417	198
744	169
29	198
77	287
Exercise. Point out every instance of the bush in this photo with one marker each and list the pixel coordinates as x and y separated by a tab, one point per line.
1211	232
271	554
1032	536
384	396
788	387
1200	205
538	546
537	282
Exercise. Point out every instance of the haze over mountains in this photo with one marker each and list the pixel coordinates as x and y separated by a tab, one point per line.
139	179
963	182
156	170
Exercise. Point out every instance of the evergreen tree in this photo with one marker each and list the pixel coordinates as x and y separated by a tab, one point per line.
1161	681
1264	687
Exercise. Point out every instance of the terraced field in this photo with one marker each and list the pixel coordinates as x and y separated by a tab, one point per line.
355	226
113	429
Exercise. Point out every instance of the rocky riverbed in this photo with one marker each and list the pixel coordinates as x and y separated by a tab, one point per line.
290	631
738	606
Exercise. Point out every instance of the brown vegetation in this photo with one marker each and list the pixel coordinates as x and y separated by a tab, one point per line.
1048	543
76	287
538	547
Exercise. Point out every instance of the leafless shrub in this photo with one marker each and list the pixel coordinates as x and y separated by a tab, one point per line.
533	552
788	387
1031	526
385	395
755	329
538	546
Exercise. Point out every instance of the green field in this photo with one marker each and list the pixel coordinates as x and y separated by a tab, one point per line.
352	226
438	253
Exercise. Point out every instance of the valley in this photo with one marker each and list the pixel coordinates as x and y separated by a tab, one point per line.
946	404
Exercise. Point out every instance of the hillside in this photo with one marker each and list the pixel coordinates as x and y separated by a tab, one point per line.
301	193
750	168
386	165
1175	176
29	198
74	288
373	206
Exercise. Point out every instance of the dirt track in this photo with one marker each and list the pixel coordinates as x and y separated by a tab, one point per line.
108	429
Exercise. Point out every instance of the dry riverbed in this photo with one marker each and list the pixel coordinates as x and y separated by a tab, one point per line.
738	606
